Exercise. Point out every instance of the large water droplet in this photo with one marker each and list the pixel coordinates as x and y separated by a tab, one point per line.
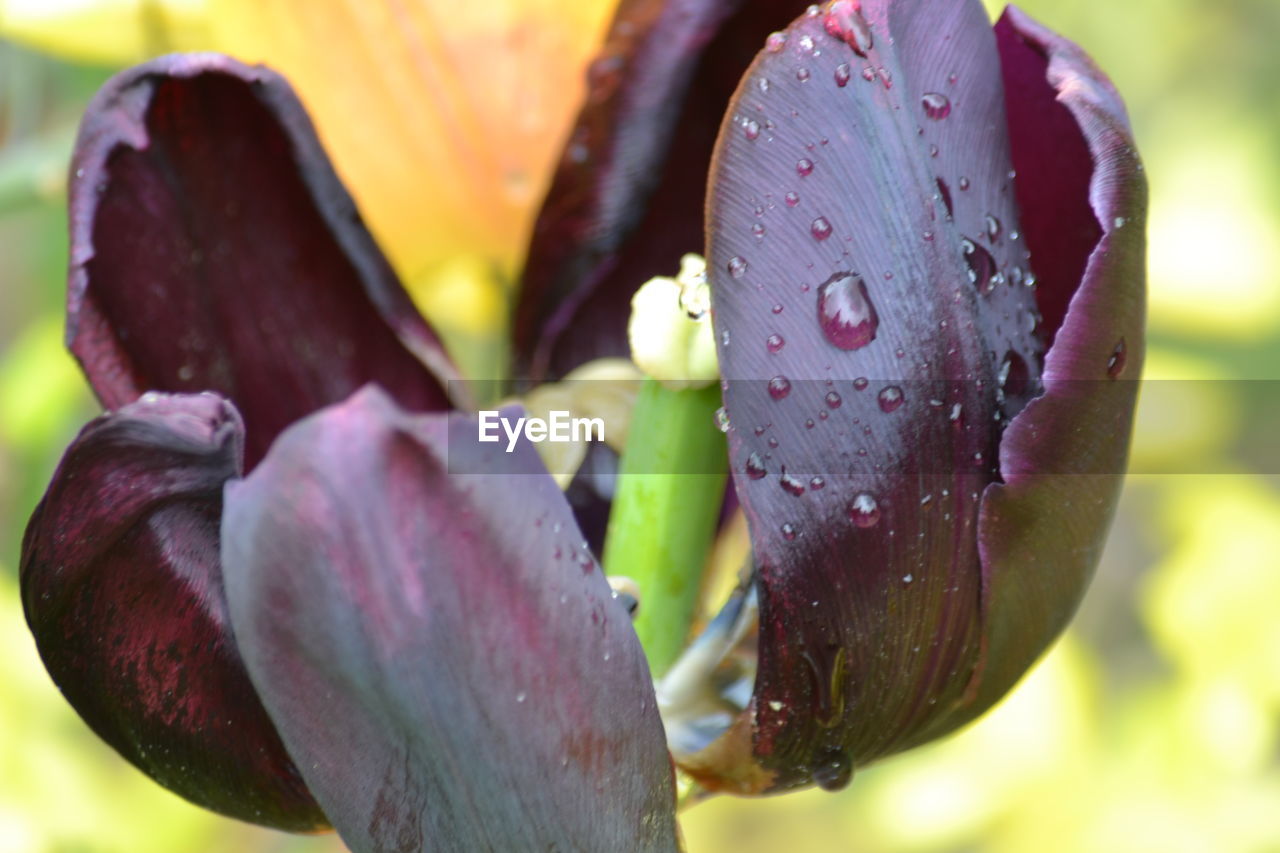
790	484
937	106
820	228
737	266
1116	363
889	398
845	313
779	387
982	267
833	400
832	769
864	511
755	467
842	74
861	383
844	21
774	343
792	199
804	167
751	128
775	42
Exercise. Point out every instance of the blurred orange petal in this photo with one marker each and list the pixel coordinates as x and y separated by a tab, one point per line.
444	118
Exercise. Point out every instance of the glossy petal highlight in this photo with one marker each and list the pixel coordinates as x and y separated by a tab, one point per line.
436	643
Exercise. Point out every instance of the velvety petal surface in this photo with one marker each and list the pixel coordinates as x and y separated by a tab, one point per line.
436	643
214	248
122	588
627	198
1063	459
876	327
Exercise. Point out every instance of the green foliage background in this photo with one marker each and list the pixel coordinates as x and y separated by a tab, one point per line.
1152	726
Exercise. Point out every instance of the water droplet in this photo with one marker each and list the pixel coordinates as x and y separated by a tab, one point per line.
804	167
790	484
722	419
755	467
833	400
937	106
1118	222
779	387
933	151
861	383
750	128
758	230
817	483
792	199
1119	355
820	228
963	183
737	266
802	74
763	85
956	411
844	21
889	398
982	267
806	43
908	578
774	343
944	193
845	313
864	511
777	308
842	74
775	42
520	697
788	531
886	76
993	228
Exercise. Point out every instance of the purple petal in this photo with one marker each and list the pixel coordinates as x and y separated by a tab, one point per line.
436	644
123	591
626	200
862	211
1063	458
214	248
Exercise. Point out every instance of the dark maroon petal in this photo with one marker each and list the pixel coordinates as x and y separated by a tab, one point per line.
1063	458
214	248
862	210
437	645
626	201
123	591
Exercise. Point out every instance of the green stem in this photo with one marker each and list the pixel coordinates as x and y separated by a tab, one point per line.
665	510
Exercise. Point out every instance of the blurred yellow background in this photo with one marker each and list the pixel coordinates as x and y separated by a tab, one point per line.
1151	726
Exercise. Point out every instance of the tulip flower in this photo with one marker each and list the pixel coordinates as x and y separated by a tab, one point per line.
283	577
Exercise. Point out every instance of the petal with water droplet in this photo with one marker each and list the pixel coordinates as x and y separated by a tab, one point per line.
123	591
424	623
213	248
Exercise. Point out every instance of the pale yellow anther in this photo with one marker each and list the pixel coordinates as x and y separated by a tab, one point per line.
670	328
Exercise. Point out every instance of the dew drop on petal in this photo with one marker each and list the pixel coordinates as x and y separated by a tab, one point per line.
833	400
792	199
832	770
755	467
861	383
804	167
775	42
993	228
751	128
791	485
774	343
788	531
864	511
820	228
779	387
845	313
737	266
937	106
842	74
844	21
1116	362
889	398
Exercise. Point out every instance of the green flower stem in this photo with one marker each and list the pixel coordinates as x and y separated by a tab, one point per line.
664	515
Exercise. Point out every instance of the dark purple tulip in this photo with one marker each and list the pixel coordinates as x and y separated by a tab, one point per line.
400	632
970	471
